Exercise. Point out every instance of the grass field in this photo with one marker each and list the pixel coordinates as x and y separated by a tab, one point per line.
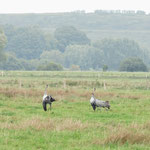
72	124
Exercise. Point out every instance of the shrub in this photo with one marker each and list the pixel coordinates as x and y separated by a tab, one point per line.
50	67
105	68
133	65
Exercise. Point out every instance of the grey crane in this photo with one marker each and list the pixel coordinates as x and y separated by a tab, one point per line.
47	99
98	103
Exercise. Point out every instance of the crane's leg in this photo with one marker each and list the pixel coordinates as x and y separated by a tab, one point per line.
94	107
44	106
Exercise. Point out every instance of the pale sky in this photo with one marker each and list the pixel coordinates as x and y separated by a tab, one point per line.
50	6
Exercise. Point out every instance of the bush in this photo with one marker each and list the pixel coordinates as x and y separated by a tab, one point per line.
133	65
50	67
105	68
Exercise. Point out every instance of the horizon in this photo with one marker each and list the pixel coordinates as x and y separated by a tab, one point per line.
47	6
76	11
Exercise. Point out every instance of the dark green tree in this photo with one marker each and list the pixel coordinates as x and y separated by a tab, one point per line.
69	35
3	41
54	56
26	42
116	50
51	42
105	68
50	67
11	63
84	56
133	65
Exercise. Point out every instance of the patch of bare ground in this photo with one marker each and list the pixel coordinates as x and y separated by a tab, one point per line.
132	134
47	124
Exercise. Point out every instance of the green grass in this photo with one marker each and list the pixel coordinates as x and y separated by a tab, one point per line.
72	124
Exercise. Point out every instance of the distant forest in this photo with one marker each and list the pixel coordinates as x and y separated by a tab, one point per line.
73	40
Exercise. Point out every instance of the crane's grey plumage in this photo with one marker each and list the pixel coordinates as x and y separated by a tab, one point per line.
98	103
47	99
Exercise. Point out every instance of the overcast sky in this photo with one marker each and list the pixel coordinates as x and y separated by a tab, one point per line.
48	6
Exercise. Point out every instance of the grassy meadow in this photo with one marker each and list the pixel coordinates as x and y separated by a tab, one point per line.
72	124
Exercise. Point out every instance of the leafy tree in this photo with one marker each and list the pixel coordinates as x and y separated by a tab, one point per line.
54	55
133	65
51	42
34	63
26	42
3	41
115	50
69	35
27	64
50	67
11	63
84	56
105	68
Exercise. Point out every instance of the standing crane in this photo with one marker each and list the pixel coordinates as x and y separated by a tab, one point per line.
47	99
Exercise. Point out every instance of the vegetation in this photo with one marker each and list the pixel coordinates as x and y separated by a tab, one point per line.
77	41
72	124
69	35
2	45
87	40
27	42
133	65
50	67
84	56
105	68
100	20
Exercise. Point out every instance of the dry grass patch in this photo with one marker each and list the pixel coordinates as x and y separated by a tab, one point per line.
58	94
13	92
47	124
123	136
132	134
32	93
135	97
70	124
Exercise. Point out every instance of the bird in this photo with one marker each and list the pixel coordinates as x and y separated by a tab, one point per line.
47	99
98	103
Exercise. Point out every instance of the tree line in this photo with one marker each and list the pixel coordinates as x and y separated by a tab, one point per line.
31	48
100	19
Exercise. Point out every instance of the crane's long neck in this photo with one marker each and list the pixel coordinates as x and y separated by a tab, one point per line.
46	90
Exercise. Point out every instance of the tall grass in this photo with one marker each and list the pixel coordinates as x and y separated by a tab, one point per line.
72	124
